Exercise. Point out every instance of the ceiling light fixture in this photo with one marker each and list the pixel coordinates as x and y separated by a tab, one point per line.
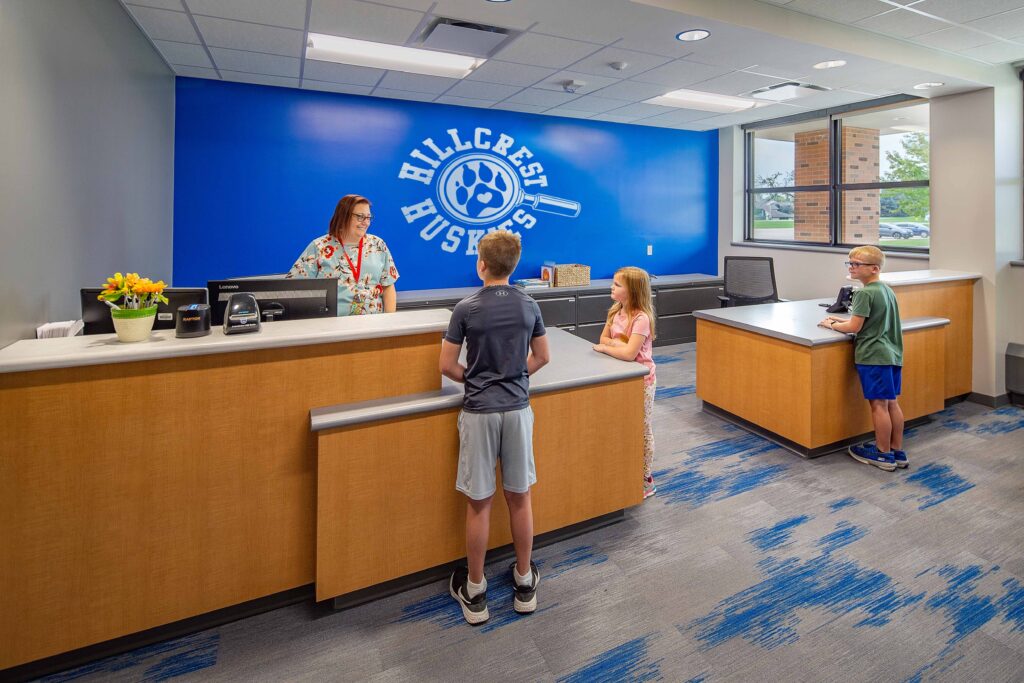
692	35
928	86
780	92
384	56
705	101
497	0
830	64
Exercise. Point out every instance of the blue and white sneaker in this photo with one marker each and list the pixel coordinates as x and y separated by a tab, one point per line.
870	455
901	459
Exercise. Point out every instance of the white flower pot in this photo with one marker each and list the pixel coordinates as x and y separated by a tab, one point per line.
133	325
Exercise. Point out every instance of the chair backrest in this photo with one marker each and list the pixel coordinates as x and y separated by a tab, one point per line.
750	279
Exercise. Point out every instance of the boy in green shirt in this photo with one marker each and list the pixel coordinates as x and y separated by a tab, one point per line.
878	357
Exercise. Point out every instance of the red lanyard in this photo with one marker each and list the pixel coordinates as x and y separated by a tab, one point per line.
359	262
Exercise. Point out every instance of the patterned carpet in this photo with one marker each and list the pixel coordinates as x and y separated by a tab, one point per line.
749	564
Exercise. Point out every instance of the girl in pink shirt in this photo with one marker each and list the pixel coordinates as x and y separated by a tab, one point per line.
629	335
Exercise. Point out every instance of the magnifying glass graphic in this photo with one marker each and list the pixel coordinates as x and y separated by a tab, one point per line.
480	188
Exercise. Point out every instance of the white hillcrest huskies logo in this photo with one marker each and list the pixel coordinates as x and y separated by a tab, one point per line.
481	187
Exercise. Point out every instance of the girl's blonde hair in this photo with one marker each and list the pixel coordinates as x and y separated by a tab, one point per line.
638	290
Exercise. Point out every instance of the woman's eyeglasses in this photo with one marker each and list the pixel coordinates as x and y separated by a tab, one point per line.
363	217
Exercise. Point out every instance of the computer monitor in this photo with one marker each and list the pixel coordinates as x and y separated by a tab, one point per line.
96	314
278	298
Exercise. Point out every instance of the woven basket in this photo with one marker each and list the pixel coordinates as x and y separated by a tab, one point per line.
571	275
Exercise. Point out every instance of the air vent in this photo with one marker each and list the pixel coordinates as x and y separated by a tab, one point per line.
464	38
787	91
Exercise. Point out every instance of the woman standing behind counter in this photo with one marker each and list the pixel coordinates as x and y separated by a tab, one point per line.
362	263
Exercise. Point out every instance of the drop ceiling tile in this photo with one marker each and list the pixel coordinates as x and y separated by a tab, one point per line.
961	11
632	91
398	80
195	72
483	91
524	108
341	73
736	83
164	25
953	39
239	35
160	4
518	16
681	73
404	95
641	110
544	98
1005	25
259	79
184	54
590	83
494	71
538	50
464	101
820	100
286	13
594	104
255	62
421	5
637	62
597	21
612	118
571	113
996	53
844	12
901	24
343	88
363	20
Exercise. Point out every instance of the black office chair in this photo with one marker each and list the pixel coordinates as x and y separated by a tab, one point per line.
749	280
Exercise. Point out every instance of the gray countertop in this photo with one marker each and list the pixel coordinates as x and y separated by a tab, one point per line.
100	349
426	296
796	321
574	363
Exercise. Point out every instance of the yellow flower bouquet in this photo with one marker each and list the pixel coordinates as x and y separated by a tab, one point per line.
138	298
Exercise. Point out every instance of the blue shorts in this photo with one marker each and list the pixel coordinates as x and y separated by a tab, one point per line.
880	381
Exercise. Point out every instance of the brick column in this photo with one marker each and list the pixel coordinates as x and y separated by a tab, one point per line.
860	164
810	209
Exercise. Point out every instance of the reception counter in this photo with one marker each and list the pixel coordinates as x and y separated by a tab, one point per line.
772	369
146	484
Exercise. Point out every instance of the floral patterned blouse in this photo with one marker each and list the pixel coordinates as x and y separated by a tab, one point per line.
324	258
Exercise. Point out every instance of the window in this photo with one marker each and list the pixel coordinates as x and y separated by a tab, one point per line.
841	178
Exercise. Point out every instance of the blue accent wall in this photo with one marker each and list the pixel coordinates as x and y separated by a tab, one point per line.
258	171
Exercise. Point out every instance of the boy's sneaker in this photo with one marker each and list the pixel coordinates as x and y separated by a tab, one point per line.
870	455
474	609
524	599
900	457
649	488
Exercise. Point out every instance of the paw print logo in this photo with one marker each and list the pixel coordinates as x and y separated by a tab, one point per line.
478	188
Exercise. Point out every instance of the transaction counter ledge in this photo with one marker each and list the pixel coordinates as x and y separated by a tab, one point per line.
387	508
771	369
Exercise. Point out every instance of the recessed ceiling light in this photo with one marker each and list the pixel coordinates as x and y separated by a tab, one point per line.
830	64
692	35
928	86
705	101
497	0
384	56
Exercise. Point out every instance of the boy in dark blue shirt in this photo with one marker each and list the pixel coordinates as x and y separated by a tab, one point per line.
505	344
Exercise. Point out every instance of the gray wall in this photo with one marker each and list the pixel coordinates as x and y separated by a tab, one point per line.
87	162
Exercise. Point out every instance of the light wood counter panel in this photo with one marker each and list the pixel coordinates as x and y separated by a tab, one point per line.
809	395
391	509
953	300
133	495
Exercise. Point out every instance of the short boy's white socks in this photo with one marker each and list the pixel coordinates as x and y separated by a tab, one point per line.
475	589
524	581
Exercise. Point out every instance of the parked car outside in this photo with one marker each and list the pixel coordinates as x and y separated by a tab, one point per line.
918	229
894	231
774	210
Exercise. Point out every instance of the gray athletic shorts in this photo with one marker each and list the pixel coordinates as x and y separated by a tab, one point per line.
486	437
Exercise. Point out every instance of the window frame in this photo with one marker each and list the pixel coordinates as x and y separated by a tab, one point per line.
836	188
